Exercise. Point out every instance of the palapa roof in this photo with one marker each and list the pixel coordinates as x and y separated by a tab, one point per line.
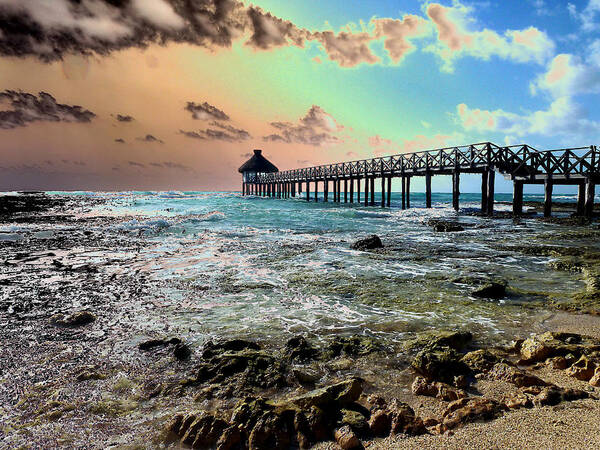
258	163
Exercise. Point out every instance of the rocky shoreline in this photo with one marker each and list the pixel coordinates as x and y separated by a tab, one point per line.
89	359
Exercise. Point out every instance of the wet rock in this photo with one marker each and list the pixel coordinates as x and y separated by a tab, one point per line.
540	347
514	375
492	290
356	420
404	419
272	431
369	243
231	439
353	346
211	349
90	374
436	389
346	438
583	369
341	394
380	423
76	319
439	363
182	351
444	226
298	349
456	340
465	410
481	361
198	430
158	342
306	376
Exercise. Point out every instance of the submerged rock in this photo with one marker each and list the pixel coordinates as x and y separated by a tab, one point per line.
351	346
75	319
445	226
370	243
299	349
492	289
158	342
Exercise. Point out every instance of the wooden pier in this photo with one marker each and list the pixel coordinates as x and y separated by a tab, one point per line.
520	163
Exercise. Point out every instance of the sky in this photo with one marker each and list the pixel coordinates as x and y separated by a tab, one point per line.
175	94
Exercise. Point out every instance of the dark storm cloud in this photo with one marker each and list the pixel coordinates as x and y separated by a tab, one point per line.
218	132
48	30
150	138
123	118
26	108
120	141
316	128
205	111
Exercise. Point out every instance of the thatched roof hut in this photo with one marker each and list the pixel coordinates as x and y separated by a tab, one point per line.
258	164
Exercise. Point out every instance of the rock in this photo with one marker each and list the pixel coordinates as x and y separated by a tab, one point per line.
404	419
514	375
558	363
518	400
231	439
456	340
341	394
198	430
436	389
380	423
553	395
540	347
369	243
492	289
444	226
583	369
76	319
346	438
353	346
298	349
439	363
90	375
356	420
534	350
182	351
481	361
271	431
430	421
306	376
471	410
211	349
162	342
595	380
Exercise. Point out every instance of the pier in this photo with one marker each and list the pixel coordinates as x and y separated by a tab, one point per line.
520	163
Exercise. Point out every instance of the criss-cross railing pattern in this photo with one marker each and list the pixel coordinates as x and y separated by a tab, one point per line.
517	161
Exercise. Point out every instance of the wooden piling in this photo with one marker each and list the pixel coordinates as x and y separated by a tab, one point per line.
389	192
581	199
407	192
382	191
372	188
455	189
308	191
428	190
366	190
517	198
590	189
403	192
339	190
548	196
484	196
316	191
358	190
345	190
491	177
351	190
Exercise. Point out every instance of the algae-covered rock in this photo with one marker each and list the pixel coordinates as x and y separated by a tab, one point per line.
76	319
342	393
445	226
439	363
355	420
456	340
481	360
369	243
543	346
299	349
493	289
353	346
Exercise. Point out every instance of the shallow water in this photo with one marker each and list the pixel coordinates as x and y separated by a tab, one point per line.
227	265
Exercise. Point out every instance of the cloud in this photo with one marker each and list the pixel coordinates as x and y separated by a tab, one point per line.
123	118
346	48
396	34
378	141
588	16
27	108
455	40
562	118
205	111
270	31
220	132
569	75
120	141
150	138
316	128
136	164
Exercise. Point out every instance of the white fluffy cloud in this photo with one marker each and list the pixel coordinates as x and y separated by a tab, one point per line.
456	39
588	16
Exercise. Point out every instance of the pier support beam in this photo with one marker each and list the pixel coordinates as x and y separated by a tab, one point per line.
335	192
382	191
308	191
351	190
407	192
366	191
345	190
403	192
517	198
293	189
484	196
339	190
299	187
590	190
491	178
428	190
455	189
326	191
389	192
372	187
581	199
548	185
316	191
358	190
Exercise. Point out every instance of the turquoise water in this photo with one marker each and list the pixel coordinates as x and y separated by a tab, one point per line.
226	265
